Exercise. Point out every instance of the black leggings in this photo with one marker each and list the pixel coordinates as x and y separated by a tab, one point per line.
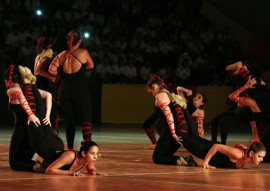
165	147
43	139
20	151
76	105
199	146
233	119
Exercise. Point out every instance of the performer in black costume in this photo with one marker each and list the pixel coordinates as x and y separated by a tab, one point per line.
32	131
74	95
168	143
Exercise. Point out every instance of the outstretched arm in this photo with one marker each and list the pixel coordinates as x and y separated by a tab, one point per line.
66	158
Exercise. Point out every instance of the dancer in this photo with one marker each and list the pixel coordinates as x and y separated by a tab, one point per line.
198	102
45	80
183	128
74	95
258	119
42	61
196	108
218	155
32	131
168	143
71	162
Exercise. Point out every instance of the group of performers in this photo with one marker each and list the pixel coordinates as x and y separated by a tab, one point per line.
178	121
31	107
176	124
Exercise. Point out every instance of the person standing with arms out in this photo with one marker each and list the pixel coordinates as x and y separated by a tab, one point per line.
74	96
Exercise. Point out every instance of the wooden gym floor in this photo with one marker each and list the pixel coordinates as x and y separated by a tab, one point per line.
129	167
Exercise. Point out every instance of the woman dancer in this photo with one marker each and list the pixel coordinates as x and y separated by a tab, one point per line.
71	162
218	155
32	131
74	95
214	155
198	102
45	80
196	108
258	119
168	143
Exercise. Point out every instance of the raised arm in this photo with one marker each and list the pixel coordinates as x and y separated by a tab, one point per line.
235	95
181	90
245	100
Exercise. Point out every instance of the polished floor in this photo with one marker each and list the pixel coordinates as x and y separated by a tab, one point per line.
129	167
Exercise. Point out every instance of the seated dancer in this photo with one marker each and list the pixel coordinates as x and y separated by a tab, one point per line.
70	162
32	131
196	108
198	102
74	96
168	143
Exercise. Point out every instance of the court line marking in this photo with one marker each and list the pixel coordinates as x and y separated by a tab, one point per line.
142	180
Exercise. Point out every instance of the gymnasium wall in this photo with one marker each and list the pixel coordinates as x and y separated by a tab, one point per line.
124	104
133	104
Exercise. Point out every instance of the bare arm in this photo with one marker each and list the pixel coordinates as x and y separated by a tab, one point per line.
16	94
53	68
47	96
41	69
181	90
163	102
89	61
245	100
232	153
66	158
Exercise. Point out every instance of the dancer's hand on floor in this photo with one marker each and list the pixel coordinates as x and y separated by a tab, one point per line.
34	119
207	166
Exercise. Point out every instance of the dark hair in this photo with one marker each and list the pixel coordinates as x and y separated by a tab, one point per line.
75	36
43	43
256	146
156	79
14	75
86	147
204	99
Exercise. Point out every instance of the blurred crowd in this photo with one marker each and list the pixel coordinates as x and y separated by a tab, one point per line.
127	39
